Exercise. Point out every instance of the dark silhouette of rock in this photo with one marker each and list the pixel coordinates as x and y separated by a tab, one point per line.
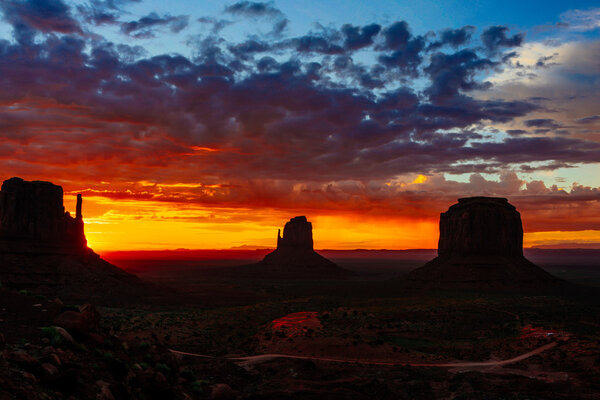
480	245
43	248
33	218
297	234
481	225
294	258
295	253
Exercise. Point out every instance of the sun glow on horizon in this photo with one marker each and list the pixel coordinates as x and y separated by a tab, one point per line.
150	225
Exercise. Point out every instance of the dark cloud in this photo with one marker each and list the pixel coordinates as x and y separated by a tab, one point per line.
253	9
145	26
516	132
542	123
452	73
98	16
217	24
112	4
356	37
40	15
316	44
279	26
495	37
103	12
546	61
405	55
407	59
588	120
453	37
396	36
249	47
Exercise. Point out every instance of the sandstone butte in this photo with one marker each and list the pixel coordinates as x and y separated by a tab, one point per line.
480	246
294	257
43	248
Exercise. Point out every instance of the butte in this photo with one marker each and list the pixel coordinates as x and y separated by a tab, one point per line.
480	246
44	249
294	258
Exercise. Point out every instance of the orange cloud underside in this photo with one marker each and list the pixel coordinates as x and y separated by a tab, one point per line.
147	225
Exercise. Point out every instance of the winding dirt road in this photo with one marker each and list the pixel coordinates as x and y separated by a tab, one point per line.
258	359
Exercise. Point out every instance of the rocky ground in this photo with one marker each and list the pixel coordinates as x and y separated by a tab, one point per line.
50	350
53	348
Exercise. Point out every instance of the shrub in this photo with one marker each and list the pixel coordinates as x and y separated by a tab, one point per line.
51	333
163	369
198	386
144	346
188	375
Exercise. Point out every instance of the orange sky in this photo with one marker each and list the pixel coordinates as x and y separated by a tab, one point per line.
145	225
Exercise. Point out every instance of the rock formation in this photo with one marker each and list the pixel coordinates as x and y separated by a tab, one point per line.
295	249
33	219
294	258
297	234
481	225
480	245
43	248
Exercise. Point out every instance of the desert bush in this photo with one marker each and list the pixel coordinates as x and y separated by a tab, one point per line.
144	346
51	333
163	369
188	375
198	386
117	367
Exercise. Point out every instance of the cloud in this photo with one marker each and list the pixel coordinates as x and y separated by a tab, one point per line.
516	132
404	49
588	120
144	27
217	24
566	89
453	37
451	73
253	9
356	37
304	122
582	20
495	37
542	207
40	15
103	12
542	123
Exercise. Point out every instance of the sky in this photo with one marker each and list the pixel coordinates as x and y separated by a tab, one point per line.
209	124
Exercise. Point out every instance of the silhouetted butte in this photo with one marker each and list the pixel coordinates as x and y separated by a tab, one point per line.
43	248
480	245
33	219
294	258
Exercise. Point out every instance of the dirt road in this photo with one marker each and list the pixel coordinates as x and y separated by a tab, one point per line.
253	360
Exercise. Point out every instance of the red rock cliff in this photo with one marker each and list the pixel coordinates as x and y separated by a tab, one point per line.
32	215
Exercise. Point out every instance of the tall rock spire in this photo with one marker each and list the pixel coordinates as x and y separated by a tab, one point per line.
78	215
